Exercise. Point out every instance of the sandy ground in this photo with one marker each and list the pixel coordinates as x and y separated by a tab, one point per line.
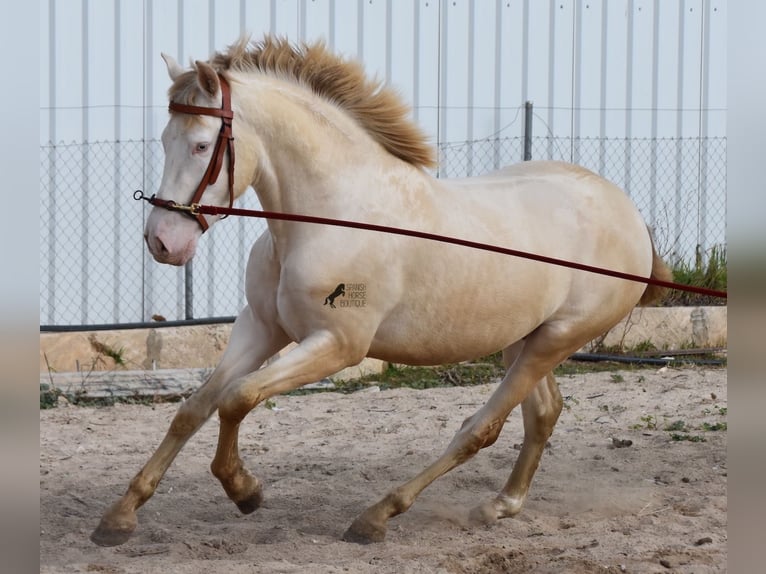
657	505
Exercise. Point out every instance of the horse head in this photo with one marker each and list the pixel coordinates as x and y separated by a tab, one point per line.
197	142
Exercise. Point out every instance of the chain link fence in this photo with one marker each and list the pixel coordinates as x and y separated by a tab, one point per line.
678	184
94	268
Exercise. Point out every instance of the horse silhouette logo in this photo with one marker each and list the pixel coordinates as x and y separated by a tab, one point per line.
340	290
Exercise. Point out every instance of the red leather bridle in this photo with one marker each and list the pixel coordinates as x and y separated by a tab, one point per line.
225	142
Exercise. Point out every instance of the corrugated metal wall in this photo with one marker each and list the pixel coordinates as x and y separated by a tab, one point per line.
593	68
609	79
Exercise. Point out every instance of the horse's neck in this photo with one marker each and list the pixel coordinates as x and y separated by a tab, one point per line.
307	144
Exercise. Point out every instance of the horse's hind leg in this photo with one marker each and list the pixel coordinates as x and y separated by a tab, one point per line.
252	342
540	353
540	410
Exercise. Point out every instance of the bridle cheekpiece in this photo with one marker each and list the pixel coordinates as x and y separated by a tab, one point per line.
225	142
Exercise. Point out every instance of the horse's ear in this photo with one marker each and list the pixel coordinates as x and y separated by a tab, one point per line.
174	69
207	78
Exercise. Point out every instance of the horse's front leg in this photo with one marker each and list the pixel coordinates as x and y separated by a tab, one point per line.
252	342
315	358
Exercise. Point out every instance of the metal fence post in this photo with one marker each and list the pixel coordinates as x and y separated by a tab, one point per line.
189	290
528	130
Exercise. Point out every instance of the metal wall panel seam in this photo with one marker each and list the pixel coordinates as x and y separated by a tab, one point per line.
212	240
655	101
241	247
498	74
678	212
85	199
441	108
211	44
302	21
470	84
52	165
574	149
117	159
524	52
602	95
416	63
242	17
703	122
389	36
273	17
360	29
628	99
181	37
148	299
551	75
331	26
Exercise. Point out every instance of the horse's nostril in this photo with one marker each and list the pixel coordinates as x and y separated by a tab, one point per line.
155	244
161	246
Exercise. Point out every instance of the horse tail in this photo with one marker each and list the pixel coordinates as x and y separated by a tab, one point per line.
661	271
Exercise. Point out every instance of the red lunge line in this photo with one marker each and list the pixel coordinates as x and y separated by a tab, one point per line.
214	210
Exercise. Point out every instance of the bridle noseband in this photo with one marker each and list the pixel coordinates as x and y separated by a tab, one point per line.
225	142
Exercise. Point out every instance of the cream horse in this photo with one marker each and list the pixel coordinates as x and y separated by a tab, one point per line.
313	135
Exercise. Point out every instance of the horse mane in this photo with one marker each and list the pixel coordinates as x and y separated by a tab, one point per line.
379	109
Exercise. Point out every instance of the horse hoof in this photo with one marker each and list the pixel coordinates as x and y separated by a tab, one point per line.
251	503
483	515
363	532
109	535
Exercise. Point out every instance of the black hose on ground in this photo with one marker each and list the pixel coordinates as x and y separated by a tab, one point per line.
659	361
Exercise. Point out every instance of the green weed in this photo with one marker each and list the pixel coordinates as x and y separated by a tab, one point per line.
708	270
48	396
676	426
642	347
117	355
691	438
648	422
270	404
